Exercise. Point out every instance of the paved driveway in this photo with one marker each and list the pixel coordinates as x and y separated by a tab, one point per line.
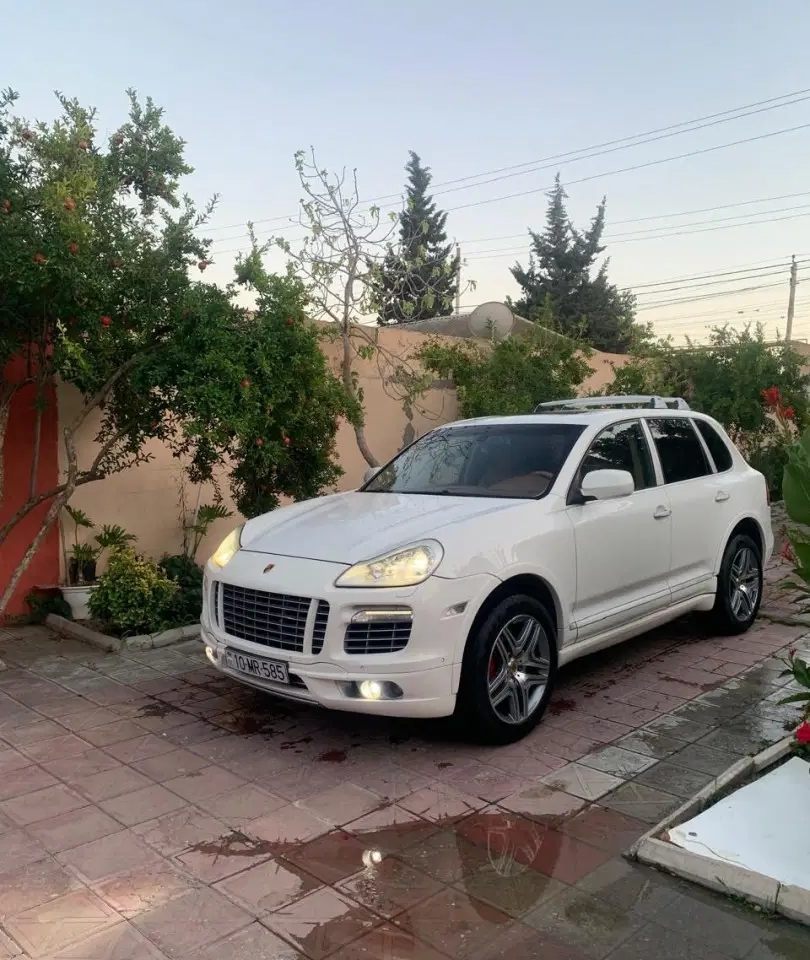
150	808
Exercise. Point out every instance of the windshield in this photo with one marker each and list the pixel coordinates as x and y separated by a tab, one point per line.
498	460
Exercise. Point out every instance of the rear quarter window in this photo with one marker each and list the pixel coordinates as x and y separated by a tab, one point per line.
718	447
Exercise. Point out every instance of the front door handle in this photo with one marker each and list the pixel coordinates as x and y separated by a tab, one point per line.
721	496
661	513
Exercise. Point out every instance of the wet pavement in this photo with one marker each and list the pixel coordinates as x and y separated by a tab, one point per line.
150	808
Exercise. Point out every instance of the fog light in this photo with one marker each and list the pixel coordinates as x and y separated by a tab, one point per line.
371	690
212	655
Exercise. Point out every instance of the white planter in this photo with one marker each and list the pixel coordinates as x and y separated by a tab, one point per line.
77	598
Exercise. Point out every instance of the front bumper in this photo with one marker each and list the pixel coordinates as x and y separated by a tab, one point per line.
426	669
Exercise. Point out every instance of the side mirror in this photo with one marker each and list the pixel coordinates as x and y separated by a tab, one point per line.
607	484
372	472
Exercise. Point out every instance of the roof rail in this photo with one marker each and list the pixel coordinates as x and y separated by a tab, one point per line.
595	403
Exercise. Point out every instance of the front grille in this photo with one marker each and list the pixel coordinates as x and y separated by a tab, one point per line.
319	630
271	619
386	636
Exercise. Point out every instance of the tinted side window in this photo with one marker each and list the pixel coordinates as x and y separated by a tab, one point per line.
716	444
621	447
679	449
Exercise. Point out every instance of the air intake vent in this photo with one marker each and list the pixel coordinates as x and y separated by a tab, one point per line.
319	630
386	636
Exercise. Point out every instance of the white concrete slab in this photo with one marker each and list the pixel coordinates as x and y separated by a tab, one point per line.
760	827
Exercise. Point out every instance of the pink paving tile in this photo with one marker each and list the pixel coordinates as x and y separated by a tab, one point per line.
255	942
321	922
329	858
112	783
42	804
217	859
288	824
88	718
569	746
453	923
11	760
242	805
144	888
391	943
169	765
204	783
120	942
392	782
302	782
483	781
18	783
139	748
526	766
390	829
567	859
73	829
18	849
111	855
268	886
389	887
66	746
33	885
33	732
142	805
440	803
191	922
116	732
51	927
342	804
173	833
74	770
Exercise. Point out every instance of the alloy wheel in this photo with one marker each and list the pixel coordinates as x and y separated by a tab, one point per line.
518	669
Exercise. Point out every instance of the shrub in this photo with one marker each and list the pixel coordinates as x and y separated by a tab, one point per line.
188	576
42	604
133	595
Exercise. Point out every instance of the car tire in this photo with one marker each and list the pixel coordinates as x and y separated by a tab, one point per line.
498	703
739	586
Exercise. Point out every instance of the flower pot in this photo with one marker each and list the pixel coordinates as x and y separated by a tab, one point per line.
77	598
88	571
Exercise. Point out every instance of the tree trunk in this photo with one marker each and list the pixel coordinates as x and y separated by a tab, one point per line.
348	386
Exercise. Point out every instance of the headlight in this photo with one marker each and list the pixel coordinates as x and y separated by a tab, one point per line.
228	548
405	567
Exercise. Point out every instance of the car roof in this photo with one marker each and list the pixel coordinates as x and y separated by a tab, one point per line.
582	417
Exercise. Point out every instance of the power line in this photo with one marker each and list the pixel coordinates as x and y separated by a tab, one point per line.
727	271
609	146
708	296
714	283
637	166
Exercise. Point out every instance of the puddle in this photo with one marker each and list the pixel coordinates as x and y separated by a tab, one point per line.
559	705
234	844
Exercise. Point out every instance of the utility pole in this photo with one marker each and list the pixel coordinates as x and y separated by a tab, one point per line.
791	299
458	281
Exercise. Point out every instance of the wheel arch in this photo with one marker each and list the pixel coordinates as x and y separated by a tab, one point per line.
751	528
532	585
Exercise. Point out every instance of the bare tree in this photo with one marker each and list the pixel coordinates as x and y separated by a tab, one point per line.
340	259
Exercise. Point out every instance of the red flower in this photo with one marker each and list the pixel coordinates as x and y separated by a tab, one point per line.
70	203
789	413
6	206
73	249
39	258
787	552
771	396
803	734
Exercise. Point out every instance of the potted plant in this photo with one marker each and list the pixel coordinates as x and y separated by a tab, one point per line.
83	558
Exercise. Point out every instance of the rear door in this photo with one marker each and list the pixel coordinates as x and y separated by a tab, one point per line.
622	545
698	497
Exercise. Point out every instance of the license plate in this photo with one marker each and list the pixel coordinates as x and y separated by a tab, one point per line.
257	667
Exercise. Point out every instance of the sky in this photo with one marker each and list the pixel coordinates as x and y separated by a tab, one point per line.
475	87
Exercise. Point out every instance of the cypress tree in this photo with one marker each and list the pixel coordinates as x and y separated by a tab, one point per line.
419	278
562	276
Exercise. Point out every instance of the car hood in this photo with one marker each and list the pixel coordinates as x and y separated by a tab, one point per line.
350	527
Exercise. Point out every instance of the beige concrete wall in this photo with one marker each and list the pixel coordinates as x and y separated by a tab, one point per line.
145	499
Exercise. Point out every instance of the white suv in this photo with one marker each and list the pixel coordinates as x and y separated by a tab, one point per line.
487	554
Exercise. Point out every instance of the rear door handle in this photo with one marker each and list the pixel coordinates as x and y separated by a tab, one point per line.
661	513
722	495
